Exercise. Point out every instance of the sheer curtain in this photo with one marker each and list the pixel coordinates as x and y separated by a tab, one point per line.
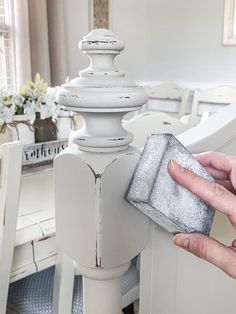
40	40
20	23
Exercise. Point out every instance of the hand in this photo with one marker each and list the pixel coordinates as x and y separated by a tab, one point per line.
221	195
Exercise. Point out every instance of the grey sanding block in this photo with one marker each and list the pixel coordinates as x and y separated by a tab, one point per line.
157	195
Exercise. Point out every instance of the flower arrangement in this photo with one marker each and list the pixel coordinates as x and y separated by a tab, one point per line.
34	97
25	109
38	97
33	108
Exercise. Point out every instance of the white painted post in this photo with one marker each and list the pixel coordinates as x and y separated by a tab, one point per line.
102	289
95	226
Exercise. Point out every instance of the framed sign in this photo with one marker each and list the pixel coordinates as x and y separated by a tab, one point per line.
229	33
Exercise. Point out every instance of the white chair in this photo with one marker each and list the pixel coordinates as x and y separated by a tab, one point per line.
146	123
218	133
169	92
213	99
10	173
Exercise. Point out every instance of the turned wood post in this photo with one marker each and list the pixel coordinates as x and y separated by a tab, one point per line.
95	226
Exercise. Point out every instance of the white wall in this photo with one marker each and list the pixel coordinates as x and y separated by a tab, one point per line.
166	40
178	40
77	26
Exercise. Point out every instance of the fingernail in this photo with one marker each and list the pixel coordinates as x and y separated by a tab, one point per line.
181	240
176	166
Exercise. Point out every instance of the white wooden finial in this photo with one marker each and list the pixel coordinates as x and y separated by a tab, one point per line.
102	95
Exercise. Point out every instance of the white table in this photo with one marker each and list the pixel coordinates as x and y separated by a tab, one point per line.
35	246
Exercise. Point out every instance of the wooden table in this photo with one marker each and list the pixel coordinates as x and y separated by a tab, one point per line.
35	246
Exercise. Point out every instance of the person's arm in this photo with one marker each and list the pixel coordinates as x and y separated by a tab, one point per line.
220	195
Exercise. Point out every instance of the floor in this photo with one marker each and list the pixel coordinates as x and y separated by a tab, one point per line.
129	309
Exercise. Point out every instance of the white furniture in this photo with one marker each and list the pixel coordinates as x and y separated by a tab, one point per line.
151	122
215	98
103	232
172	280
166	93
10	171
35	245
83	212
95	226
36	248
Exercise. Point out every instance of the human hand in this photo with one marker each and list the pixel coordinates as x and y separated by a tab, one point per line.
221	195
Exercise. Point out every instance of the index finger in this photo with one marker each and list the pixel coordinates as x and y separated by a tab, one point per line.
211	192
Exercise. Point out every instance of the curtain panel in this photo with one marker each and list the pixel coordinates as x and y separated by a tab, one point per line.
40	40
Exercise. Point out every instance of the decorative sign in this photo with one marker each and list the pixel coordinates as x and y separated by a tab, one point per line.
42	153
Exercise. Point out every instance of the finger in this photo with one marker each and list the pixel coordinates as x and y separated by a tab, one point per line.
216	160
217	174
211	192
233	246
227	185
234	243
219	161
208	249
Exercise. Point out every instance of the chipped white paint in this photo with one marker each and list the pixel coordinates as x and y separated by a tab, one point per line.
102	95
94	224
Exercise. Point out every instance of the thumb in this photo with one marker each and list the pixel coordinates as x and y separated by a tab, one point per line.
208	249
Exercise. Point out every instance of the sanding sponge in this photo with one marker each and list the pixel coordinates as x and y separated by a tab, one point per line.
157	195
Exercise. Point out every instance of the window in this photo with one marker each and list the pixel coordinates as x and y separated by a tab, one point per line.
6	47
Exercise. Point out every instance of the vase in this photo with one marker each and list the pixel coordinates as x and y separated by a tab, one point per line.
5	134
45	129
22	129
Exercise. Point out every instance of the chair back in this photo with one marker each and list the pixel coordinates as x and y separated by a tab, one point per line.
216	134
170	92
10	173
214	97
149	122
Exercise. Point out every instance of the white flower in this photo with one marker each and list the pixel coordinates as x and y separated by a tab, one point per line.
49	110
68	79
30	109
5	115
51	93
48	106
18	100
